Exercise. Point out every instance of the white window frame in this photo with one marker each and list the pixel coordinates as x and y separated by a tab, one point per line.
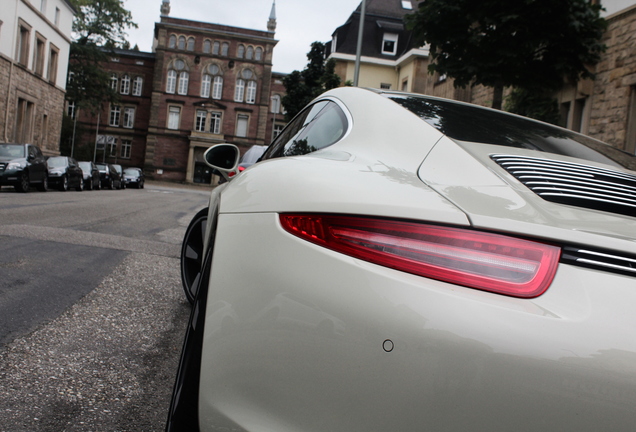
124	87
205	85
250	94
184	78
114	81
125	148
390	37
129	117
174	117
200	120
275	104
115	115
217	87
137	87
239	91
215	122
242	125
171	81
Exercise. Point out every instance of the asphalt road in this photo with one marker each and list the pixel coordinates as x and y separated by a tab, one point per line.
92	313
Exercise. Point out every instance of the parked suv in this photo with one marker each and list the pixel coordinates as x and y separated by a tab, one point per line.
22	165
109	177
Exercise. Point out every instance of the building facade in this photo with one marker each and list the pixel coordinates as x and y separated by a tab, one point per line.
203	84
35	38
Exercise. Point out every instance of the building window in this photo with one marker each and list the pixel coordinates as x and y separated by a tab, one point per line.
241	51
115	114
190	44
125	85
70	109
217	90
174	116
138	84
406	4
126	147
206	46
38	54
43	6
278	128
385	86
182	42
275	106
129	117
52	70
241	125
250	96
206	83
22	49
249	55
45	129
215	47
215	122
334	42
258	54
114	79
239	91
389	44
171	81
24	121
112	148
405	85
183	83
172	42
199	123
225	49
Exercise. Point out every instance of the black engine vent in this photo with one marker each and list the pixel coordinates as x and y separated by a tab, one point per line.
574	184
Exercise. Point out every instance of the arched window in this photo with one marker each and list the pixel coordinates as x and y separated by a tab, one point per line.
125	84
206	46
172	42
190	44
113	81
250	53
239	91
205	86
138	84
217	89
215	48
245	81
225	49
250	95
258	54
184	77
171	81
182	42
241	51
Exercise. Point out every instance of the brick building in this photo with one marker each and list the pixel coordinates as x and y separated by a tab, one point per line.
35	37
203	84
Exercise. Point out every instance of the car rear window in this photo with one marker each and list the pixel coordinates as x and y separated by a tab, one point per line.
473	124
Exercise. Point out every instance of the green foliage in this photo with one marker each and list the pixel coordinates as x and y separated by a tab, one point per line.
99	27
536	105
532	44
302	87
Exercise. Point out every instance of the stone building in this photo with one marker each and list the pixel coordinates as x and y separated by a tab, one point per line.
35	38
203	84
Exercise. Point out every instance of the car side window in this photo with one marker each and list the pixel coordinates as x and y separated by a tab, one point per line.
317	127
32	153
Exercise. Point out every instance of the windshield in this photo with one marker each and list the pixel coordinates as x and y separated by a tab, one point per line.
102	167
85	166
473	124
56	162
131	172
12	150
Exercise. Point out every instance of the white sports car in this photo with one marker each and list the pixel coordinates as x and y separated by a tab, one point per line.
397	262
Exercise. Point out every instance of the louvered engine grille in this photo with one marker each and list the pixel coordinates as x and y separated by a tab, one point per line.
607	261
574	184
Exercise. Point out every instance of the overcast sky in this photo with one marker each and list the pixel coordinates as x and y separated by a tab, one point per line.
299	22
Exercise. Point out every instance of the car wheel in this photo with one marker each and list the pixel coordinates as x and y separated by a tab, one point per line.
80	186
141	185
192	254
111	184
44	186
23	182
64	184
99	185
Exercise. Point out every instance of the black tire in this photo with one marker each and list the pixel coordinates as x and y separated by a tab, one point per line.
44	186
111	184
141	185
192	254
23	182
80	185
64	184
90	185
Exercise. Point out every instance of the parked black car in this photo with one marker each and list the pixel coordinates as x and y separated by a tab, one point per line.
22	165
120	171
109	177
134	177
65	173
91	175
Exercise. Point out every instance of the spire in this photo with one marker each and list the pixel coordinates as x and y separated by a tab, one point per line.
165	7
271	24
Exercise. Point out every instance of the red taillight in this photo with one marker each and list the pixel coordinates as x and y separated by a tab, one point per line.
241	169
231	174
485	261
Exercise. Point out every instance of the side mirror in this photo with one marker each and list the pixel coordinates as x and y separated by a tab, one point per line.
223	157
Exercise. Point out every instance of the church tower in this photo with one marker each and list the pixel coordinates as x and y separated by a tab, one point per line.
271	24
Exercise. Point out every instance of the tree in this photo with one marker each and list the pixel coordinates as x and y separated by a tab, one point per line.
99	26
317	77
530	44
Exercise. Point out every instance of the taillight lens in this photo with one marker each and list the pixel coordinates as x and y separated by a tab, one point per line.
485	261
